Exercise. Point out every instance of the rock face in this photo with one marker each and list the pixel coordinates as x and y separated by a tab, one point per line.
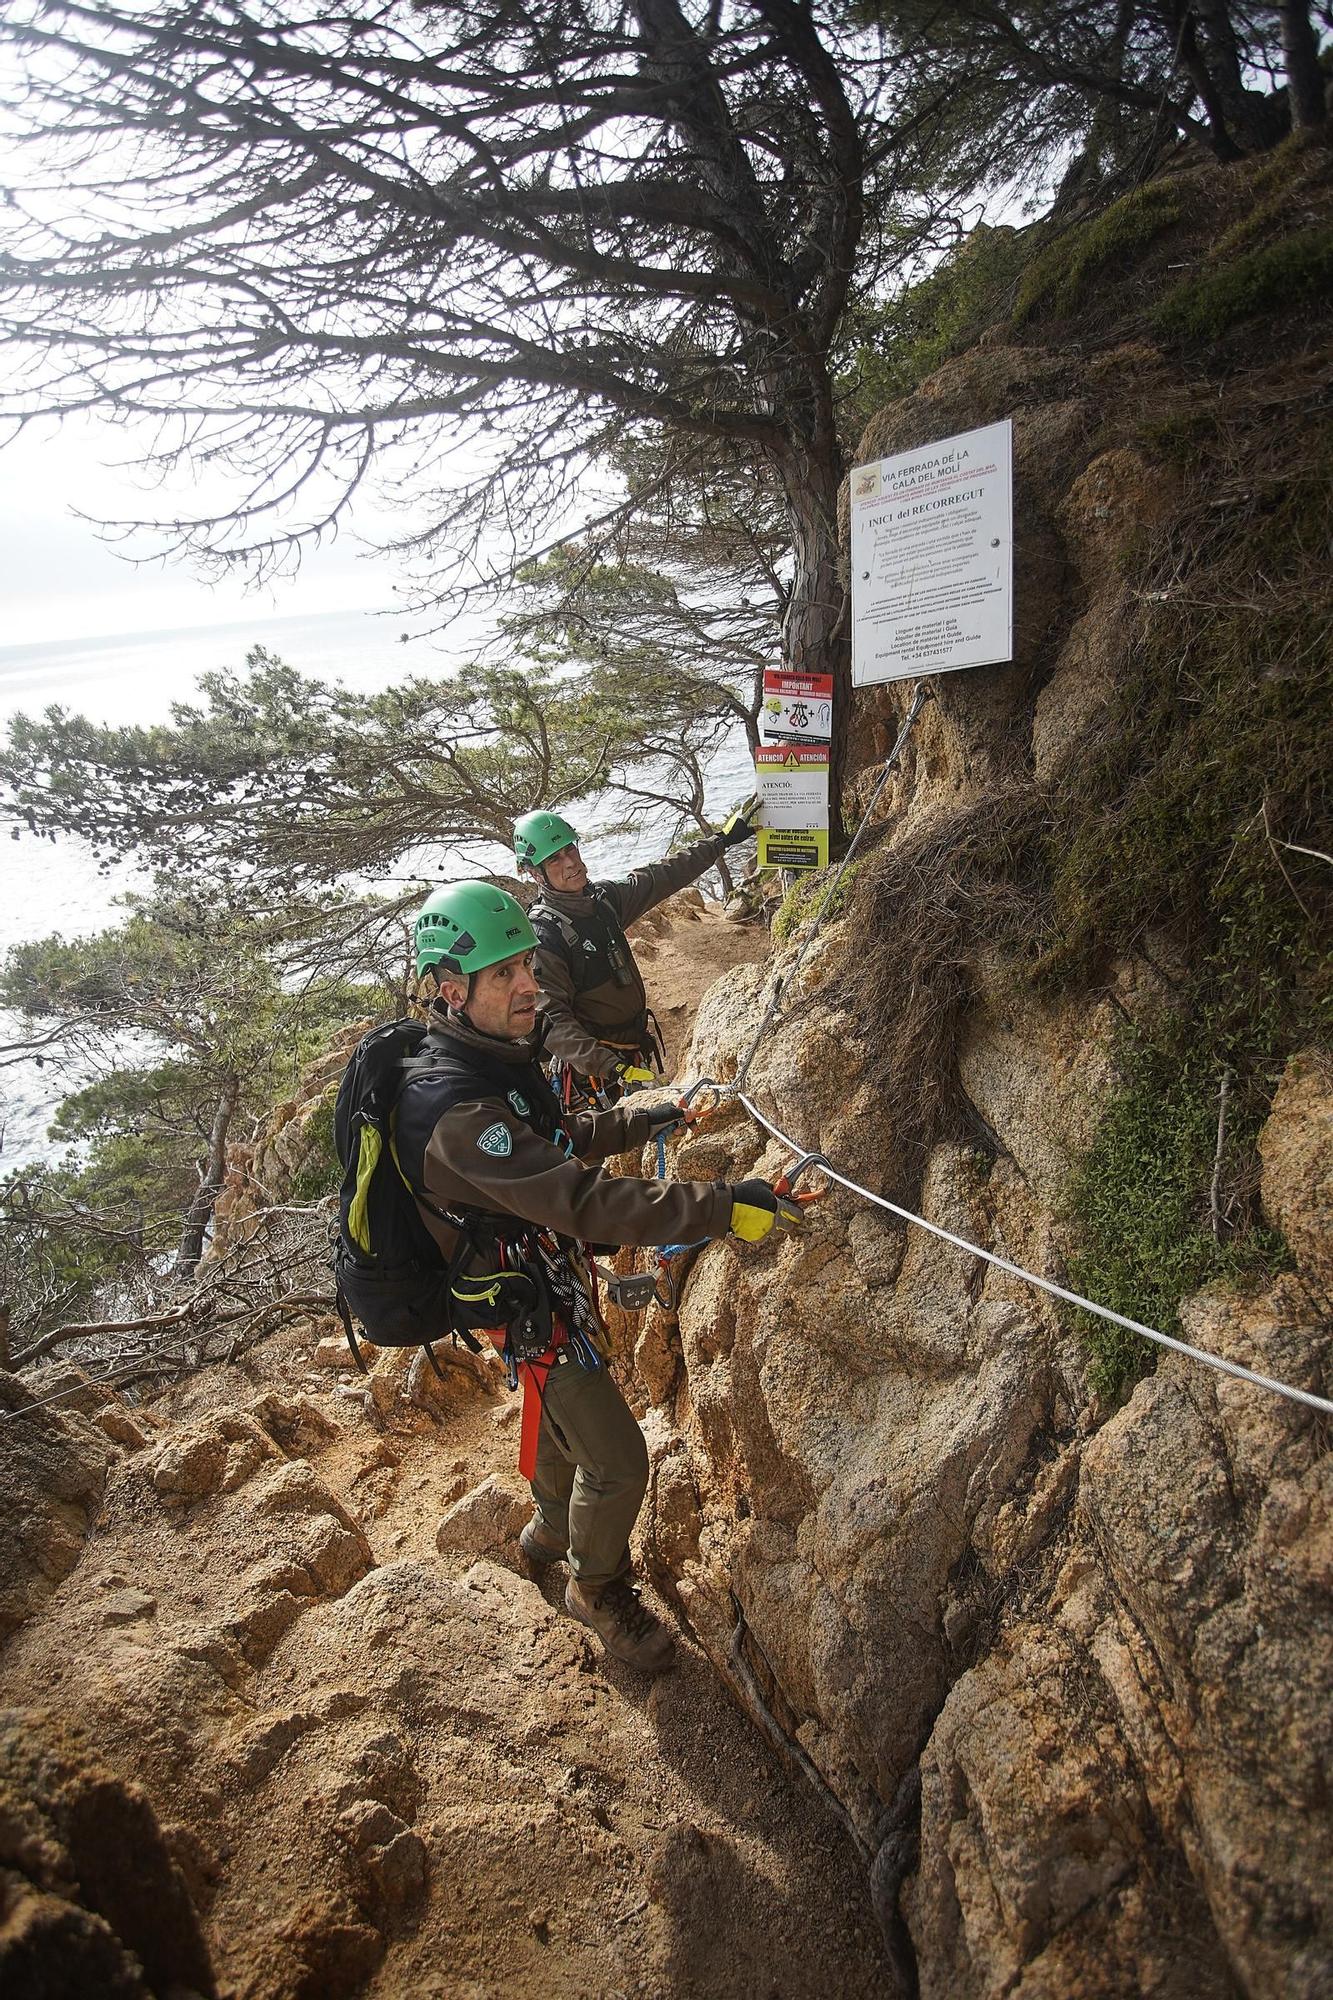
1157	1711
51	1475
1104	1644
1066	1669
91	1900
1296	1147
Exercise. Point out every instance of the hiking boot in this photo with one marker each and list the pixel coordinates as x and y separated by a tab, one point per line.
541	1544
627	1628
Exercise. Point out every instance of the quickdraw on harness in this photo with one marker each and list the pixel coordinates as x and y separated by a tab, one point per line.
579	1092
580	1336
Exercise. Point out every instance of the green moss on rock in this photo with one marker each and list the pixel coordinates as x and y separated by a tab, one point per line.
1140	1204
1058	279
804	900
1180	835
1292	275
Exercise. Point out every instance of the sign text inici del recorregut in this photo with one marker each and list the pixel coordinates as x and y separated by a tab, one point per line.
933	557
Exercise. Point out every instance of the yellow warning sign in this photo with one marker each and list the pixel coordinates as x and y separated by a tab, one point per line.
803	848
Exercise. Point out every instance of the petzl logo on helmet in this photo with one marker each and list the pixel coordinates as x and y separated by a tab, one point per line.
496	1141
519	1102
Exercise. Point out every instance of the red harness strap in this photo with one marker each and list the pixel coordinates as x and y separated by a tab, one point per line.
532	1375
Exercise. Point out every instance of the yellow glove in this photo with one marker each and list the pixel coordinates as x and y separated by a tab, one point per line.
755	1209
633	1077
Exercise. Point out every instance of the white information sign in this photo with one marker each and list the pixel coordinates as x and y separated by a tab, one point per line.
932	558
793	784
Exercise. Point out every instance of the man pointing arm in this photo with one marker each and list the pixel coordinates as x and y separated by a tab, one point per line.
593	995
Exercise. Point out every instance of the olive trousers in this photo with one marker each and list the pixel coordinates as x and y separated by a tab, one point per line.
591	1472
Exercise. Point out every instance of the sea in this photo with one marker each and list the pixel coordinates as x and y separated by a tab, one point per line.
56	886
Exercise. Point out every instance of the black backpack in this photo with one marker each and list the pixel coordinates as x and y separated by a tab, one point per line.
389	1272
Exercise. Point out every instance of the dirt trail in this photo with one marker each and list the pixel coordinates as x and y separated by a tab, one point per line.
392	1769
683	947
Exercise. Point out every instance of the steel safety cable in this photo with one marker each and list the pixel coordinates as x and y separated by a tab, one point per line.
1242	1374
919	700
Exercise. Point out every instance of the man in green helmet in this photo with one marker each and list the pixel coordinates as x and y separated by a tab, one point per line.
593	996
501	1176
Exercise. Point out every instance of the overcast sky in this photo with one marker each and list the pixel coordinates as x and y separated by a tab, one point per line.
60	580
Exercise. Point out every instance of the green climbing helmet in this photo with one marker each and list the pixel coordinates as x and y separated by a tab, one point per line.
468	926
539	835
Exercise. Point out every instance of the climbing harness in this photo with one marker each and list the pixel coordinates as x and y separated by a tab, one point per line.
578	1092
573	1331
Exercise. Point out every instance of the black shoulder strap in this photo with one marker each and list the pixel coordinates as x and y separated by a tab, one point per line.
551	924
595	955
435	1080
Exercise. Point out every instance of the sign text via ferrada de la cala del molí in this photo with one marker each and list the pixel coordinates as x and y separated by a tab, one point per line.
932	558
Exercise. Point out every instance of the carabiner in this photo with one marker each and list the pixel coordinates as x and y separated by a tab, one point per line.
686	1099
785	1183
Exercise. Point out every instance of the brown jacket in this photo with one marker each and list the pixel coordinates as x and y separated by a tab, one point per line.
595	1029
485	1152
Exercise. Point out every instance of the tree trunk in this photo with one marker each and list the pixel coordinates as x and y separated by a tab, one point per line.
200	1210
1248	115
1199	74
1305	79
816	626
